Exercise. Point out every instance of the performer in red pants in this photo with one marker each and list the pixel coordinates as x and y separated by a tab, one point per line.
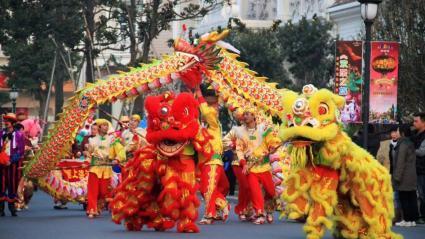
258	142
214	184
104	150
12	145
257	181
244	196
238	135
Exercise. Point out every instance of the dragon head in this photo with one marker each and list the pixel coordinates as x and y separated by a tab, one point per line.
310	117
172	121
196	60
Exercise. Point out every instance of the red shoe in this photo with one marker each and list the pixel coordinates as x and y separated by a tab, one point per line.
189	227
168	223
163	225
133	226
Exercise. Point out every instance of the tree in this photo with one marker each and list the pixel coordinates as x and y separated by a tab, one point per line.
262	51
100	18
143	21
308	47
404	21
32	33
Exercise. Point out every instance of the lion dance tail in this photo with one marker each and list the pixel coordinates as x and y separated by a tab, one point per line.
134	200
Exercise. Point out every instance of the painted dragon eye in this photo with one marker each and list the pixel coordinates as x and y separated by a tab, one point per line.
323	109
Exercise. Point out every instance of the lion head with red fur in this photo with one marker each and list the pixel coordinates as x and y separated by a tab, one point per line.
172	121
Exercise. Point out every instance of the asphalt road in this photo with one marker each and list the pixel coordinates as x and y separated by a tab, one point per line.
41	221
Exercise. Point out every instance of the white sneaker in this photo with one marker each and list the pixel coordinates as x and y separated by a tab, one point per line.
401	224
259	220
411	224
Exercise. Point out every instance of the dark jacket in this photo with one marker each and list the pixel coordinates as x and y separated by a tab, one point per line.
80	147
404	168
420	160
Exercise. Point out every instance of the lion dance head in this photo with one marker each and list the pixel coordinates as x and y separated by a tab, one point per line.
172	121
311	119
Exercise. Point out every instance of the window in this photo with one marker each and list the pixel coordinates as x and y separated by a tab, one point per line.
261	9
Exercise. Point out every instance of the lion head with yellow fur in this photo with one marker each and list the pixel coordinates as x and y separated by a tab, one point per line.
310	119
327	168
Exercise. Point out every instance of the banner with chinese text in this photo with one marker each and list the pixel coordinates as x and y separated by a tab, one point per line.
383	82
73	170
348	78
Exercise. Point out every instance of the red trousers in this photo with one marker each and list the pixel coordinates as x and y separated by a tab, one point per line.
9	181
244	195
257	198
214	188
98	189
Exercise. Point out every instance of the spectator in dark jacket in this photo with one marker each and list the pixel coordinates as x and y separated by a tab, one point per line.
419	141
373	139
403	172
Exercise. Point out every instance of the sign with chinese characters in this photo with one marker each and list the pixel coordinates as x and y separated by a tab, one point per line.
383	82
348	78
73	170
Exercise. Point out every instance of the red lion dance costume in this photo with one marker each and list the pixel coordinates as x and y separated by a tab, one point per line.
159	185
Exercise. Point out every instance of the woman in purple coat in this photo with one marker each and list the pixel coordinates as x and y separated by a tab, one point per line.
12	144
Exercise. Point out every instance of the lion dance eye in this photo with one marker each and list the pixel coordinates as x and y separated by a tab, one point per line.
164	110
300	106
323	109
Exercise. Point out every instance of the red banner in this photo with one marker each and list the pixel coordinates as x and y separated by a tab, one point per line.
348	78
73	171
3	81
383	82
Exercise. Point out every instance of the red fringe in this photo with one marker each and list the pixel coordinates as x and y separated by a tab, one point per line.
187	227
139	199
130	196
192	77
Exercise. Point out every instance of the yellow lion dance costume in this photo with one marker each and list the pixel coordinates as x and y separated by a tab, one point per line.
334	182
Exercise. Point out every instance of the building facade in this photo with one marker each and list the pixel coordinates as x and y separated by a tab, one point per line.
348	23
345	14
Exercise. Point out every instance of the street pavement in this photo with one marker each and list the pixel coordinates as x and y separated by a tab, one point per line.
41	221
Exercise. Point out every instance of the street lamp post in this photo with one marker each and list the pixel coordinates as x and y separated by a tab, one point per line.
13	95
369	10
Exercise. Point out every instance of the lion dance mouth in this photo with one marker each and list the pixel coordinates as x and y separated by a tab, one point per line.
301	151
170	148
